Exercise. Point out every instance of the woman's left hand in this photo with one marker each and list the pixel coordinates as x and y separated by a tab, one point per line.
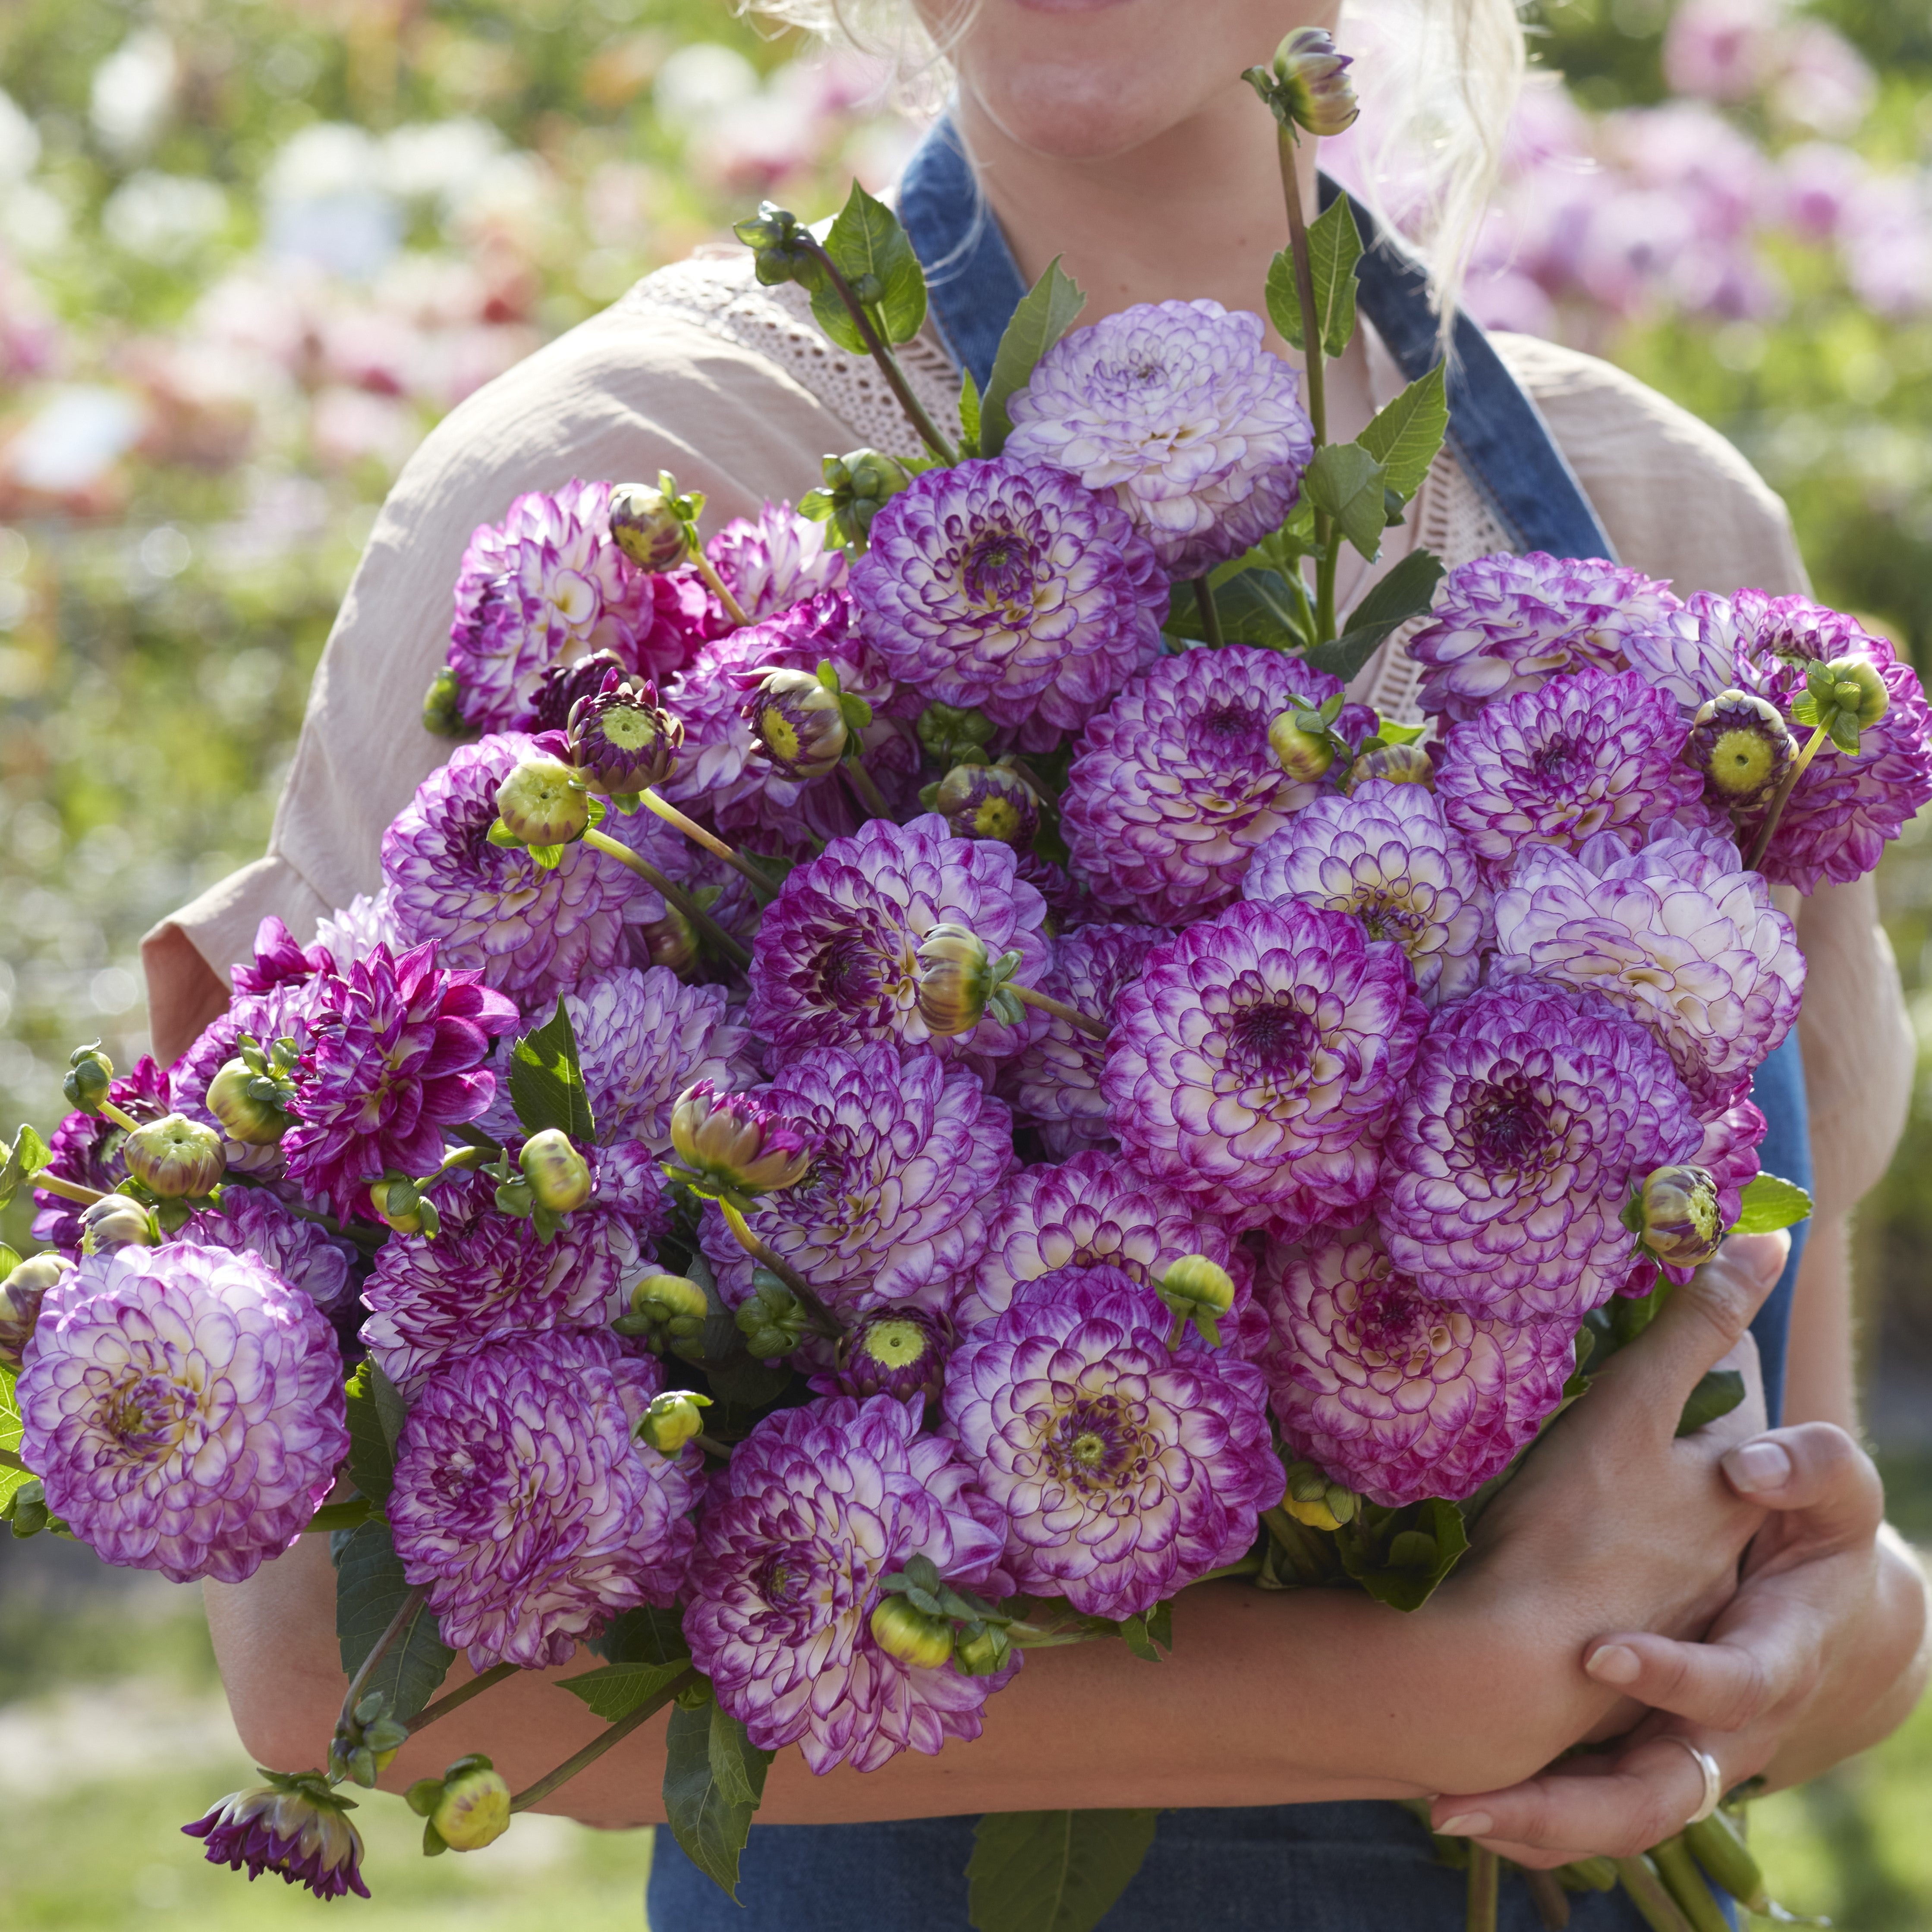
1822	1651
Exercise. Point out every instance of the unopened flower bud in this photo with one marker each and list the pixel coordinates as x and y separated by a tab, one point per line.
399	1203
945	730
771	1318
90	1074
541	803
1677	1209
473	1807
989	801
734	1142
782	246
899	1352
955	979
235	1098
367	1741
117	1221
622	740
21	1294
1199	1291
1398	764
903	1630
670	942
647	527
1742	745
672	1421
175	1157
1307	83
858	485
442	705
1305	755
1850	697
665	1308
1315	1498
560	1176
983	1652
798	722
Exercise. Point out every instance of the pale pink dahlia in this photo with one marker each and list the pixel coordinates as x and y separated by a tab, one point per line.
1393	1394
523	1508
816	1506
183	1408
1174	784
1255	1061
1124	1471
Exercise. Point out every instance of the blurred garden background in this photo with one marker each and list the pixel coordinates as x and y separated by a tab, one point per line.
251	250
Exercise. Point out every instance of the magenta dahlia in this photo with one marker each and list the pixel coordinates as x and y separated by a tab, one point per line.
778	561
296	1825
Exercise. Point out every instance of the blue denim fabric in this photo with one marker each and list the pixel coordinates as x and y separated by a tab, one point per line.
1343	1867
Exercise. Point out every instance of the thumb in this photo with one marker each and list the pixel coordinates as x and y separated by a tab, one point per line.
1823	1483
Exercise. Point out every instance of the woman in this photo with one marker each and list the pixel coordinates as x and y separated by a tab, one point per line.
1116	131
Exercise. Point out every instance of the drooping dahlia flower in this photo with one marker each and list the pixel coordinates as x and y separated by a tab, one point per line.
1502	624
1174	784
295	1826
910	1153
1383	853
817	1505
1584	754
1015	590
1255	1062
835	962
395	1055
544	585
184	1407
86	1149
522	1508
251	1221
1177	409
1530	1116
1394	1394
1124	1471
1678	935
531	932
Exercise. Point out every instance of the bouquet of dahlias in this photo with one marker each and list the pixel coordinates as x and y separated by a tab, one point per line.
923	1081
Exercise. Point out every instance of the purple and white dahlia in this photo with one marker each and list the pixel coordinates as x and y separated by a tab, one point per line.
835	962
296	1825
778	561
1015	590
911	1152
544	585
353	931
86	1149
531	932
817	1505
1255	1061
1398	1396
1584	754
1677	935
1124	1471
1503	624
1058	1078
1174	785
523	1509
183	1408
1384	854
1531	1116
251	1221
395	1055
1176	409
486	1275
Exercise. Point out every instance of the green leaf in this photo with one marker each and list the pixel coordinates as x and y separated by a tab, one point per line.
1406	592
546	1080
27	1156
1346	482
1046	312
1151	1633
370	1589
1334	247
1255	606
1405	437
643	1635
618	1689
11	1430
372	1450
1770	1203
969	414
707	1819
1400	1556
1718	1393
1052	1871
867	246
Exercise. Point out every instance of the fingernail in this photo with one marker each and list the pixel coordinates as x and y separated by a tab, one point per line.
1464	1825
1756	1466
1614	1663
1763	1255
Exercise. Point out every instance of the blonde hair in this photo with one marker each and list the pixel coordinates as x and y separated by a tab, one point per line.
1440	90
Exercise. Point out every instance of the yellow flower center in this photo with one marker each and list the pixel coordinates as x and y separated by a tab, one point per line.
1740	762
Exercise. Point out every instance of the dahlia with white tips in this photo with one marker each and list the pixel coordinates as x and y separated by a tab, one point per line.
778	561
252	1221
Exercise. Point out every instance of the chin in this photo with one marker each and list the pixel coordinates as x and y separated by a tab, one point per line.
1086	111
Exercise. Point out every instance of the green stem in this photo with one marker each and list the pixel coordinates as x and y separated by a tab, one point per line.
675	895
889	365
1286	146
711	1446
1651	1896
1249	1566
8	1460
866	786
1547	1894
553	1781
708	571
1210	617
120	1117
1331	541
407	1608
457	1698
1485	1884
823	1320
67	1190
1032	997
711	843
1779	798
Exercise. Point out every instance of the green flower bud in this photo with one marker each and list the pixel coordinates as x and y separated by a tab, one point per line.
1303	750
1307	83
646	527
176	1158
90	1074
1743	746
473	1808
672	1421
21	1294
1199	1291
982	1651
771	1318
955	979
541	803
399	1203
366	1740
1400	764
666	1308
560	1176
236	1099
117	1221
1316	1500
1857	698
798	722
672	943
946	730
907	1633
858	485
1677	1215
443	705
781	245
